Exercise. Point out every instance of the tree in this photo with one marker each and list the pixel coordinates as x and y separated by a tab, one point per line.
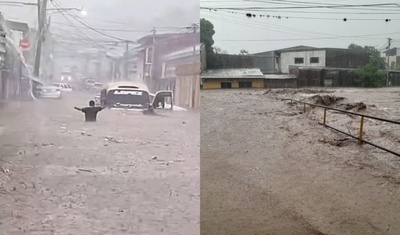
206	37
243	52
371	75
369	49
218	50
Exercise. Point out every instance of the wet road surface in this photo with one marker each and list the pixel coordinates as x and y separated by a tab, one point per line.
126	174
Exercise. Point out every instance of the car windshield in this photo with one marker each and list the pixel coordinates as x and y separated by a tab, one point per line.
128	97
49	88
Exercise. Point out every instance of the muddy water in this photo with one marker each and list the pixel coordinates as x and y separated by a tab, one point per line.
265	169
126	174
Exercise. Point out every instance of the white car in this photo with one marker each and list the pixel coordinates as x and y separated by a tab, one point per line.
63	86
50	92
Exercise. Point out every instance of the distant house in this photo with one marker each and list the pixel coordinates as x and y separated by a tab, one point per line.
323	76
170	62
280	81
266	63
393	57
318	57
232	78
160	72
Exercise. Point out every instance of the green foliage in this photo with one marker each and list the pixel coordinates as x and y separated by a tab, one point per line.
244	52
369	49
371	75
206	37
206	33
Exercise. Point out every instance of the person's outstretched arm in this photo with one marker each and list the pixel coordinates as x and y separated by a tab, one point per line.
78	109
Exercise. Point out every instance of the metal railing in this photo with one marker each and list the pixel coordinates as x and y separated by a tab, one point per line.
360	136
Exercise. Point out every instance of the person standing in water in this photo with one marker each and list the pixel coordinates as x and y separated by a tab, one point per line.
90	112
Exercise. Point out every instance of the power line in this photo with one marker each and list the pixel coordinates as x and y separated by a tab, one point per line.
327	5
55	3
270	27
341	12
128	24
108	29
250	15
82	33
339	7
285	39
315	38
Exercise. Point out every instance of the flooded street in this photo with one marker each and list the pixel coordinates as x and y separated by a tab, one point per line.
269	168
126	174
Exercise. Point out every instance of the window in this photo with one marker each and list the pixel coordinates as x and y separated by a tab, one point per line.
299	60
314	60
245	84
226	85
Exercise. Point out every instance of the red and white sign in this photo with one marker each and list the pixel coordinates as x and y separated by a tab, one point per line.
24	43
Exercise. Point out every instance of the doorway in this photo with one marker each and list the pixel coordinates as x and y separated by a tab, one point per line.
226	85
245	84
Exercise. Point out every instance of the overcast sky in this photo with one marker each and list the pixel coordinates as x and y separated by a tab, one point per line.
236	31
128	19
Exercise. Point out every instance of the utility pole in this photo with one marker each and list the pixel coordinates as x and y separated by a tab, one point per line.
388	62
152	56
193	83
126	64
42	8
388	52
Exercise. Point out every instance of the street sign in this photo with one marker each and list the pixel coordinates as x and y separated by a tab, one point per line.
24	43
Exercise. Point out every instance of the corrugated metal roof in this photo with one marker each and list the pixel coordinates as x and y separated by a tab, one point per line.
301	47
233	73
188	51
280	76
319	68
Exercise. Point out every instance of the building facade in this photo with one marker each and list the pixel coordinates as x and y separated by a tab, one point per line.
326	57
317	57
170	62
280	81
392	58
232	78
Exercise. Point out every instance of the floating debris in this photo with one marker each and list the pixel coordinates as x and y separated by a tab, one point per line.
112	140
326	100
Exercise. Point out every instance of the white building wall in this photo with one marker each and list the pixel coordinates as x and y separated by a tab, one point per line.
288	58
392	61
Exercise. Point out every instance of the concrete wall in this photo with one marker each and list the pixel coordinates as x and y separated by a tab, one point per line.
216	83
394	61
280	83
346	58
287	59
163	47
265	63
187	86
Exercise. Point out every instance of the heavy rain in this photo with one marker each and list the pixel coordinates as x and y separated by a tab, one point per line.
99	117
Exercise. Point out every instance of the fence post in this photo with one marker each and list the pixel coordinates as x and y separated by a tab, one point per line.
324	116
360	140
